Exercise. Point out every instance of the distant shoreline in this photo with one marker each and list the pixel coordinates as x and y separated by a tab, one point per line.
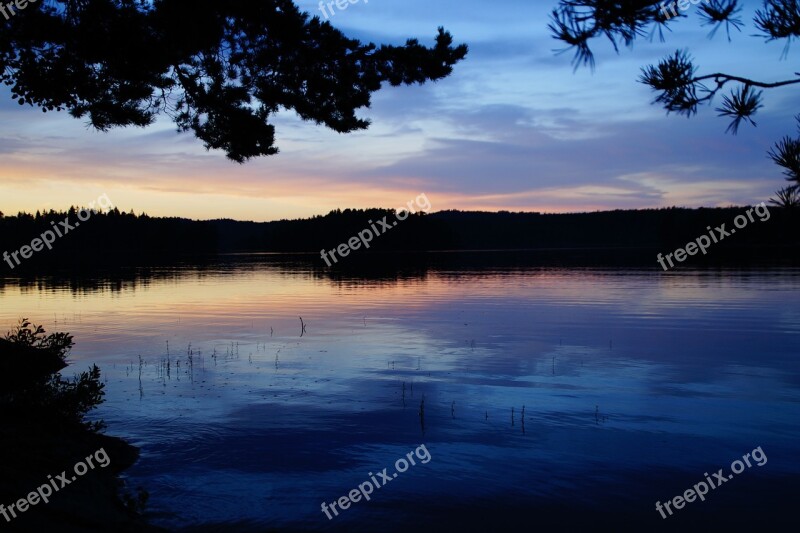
119	239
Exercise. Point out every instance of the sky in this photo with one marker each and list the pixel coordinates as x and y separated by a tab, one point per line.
513	128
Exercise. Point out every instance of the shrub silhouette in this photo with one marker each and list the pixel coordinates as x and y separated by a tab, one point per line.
32	391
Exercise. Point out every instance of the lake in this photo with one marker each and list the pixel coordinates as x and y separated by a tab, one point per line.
526	396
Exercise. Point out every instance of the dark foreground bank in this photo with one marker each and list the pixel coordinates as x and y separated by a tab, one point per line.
58	472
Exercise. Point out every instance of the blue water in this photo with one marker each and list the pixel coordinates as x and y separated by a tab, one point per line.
634	385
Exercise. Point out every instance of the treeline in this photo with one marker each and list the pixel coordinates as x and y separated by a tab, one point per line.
102	236
117	235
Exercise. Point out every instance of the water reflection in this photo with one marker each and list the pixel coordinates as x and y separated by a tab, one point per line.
537	389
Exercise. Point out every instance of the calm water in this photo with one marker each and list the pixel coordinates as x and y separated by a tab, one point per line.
633	384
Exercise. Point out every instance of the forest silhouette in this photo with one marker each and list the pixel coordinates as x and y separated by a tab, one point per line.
126	238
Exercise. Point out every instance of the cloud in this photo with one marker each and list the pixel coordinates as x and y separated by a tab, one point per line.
513	128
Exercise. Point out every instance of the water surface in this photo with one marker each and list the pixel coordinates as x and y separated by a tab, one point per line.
634	383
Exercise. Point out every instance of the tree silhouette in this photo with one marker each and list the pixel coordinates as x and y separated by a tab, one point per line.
680	89
219	69
787	197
